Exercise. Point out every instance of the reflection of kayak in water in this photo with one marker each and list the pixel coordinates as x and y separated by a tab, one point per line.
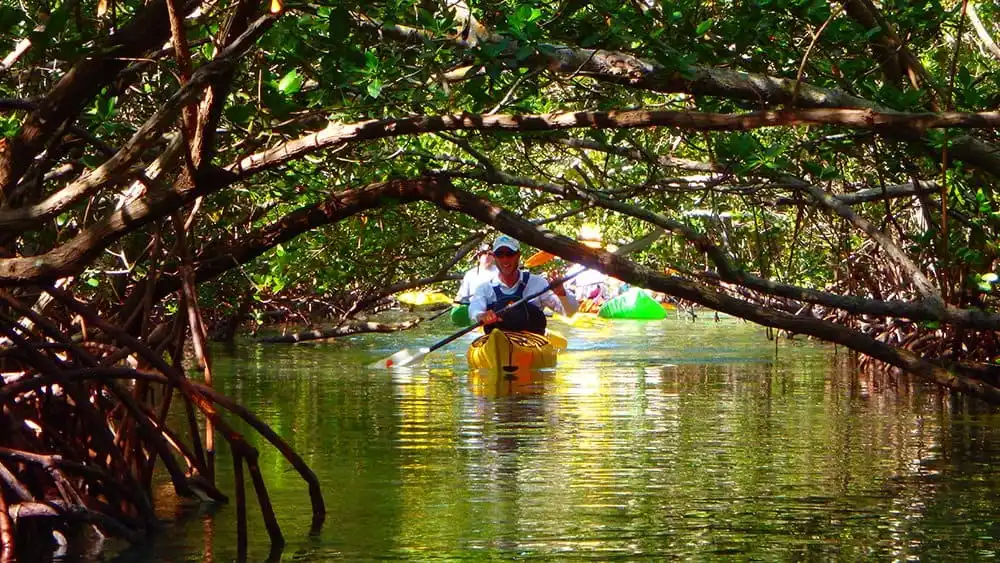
487	383
501	350
581	320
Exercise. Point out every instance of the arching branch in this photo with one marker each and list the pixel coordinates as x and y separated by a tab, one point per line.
334	134
440	191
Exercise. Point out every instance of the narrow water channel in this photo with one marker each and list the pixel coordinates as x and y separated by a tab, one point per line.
658	440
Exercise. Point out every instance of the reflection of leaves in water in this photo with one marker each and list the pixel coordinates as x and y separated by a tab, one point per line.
673	440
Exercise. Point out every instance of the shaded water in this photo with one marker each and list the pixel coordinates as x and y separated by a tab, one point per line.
658	440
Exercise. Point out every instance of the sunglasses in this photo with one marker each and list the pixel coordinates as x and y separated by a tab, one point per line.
504	253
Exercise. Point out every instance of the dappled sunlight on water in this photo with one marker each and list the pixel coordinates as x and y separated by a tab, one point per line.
666	439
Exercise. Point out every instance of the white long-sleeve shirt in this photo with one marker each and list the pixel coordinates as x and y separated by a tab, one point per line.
473	279
484	296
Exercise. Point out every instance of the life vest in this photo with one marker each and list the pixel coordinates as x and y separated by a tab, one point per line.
526	316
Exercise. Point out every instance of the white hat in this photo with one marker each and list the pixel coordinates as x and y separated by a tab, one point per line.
506	241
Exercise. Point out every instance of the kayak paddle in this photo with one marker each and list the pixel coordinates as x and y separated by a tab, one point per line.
408	356
538	258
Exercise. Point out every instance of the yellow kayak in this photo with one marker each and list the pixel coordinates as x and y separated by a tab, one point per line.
424	300
521	350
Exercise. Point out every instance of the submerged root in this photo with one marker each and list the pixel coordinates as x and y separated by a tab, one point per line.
84	428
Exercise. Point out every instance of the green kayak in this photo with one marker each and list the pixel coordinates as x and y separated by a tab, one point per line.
460	315
633	304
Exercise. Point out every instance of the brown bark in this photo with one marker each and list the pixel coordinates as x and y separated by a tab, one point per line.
442	194
214	99
868	195
337	133
227	331
146	31
6	533
75	254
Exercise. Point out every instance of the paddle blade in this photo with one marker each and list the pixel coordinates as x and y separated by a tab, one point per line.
538	258
400	359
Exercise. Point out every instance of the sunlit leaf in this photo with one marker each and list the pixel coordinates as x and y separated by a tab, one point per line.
290	83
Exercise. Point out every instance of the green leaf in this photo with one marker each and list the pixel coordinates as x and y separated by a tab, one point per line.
107	106
93	282
989	278
371	61
521	16
375	88
239	114
704	26
524	51
290	83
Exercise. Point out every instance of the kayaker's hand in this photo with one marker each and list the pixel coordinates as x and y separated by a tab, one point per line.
557	288
489	317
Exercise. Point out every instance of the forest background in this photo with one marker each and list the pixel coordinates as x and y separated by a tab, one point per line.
175	170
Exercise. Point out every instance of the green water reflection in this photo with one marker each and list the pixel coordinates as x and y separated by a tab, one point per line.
657	440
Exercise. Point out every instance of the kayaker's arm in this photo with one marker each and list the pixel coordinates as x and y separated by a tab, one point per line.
479	301
467	288
565	303
569	304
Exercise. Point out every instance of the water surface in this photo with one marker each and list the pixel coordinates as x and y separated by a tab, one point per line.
650	440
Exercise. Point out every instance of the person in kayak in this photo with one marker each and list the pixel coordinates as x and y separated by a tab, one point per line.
484	271
589	286
510	285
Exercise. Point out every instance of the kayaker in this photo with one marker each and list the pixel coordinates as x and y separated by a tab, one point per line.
484	271
510	285
589	286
